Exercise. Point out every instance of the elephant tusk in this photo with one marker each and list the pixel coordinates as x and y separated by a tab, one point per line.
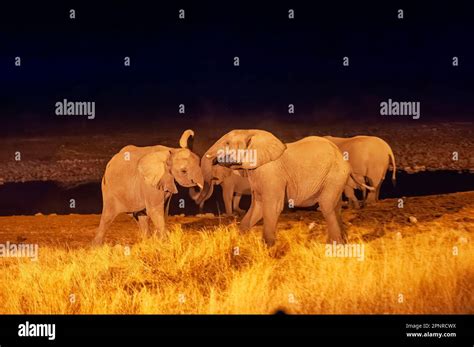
200	186
208	156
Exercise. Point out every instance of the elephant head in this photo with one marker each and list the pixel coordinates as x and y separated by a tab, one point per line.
160	169
239	150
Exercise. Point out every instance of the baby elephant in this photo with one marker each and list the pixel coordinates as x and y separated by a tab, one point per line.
142	178
369	157
234	184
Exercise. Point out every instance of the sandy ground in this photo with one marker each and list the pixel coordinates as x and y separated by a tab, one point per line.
72	231
80	156
406	267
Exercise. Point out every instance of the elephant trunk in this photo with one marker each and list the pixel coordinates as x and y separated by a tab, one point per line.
197	177
199	180
206	169
193	193
206	193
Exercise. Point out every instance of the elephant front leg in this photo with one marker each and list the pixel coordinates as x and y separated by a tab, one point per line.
143	225
227	194
155	209
271	211
253	215
157	216
236	203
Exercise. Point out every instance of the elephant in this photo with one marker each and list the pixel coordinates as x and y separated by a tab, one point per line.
232	182
369	157
309	171
139	179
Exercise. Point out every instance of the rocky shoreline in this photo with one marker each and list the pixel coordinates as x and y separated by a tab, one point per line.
71	161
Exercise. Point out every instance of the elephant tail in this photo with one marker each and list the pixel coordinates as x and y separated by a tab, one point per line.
361	184
394	172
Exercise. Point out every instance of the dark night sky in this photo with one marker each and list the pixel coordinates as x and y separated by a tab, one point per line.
282	61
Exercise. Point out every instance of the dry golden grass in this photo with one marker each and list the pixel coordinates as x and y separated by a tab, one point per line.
198	272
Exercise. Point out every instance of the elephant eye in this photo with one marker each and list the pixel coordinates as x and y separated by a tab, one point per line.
184	171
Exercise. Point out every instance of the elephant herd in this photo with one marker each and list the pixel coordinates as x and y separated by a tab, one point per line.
313	170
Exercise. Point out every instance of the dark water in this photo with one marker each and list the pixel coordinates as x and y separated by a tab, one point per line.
50	197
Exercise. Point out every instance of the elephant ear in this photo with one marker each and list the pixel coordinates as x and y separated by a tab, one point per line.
167	183
152	167
264	147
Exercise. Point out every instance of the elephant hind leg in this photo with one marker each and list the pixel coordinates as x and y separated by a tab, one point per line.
109	212
377	191
375	181
336	232
353	201
338	211
330	206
